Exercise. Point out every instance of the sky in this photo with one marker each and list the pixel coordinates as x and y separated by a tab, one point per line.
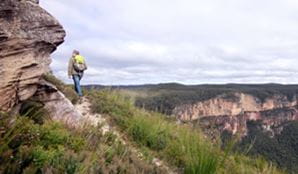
185	41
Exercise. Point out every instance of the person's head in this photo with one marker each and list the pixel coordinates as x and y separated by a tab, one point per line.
75	52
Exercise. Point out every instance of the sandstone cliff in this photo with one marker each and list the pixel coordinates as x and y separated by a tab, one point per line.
231	105
233	112
272	121
28	35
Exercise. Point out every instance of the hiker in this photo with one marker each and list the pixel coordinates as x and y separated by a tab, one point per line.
76	68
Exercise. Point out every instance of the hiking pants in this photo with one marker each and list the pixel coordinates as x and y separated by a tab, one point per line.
77	79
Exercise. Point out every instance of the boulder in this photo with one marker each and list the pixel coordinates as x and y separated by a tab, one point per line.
57	105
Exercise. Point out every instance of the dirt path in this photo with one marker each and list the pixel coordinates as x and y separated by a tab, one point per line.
84	108
95	119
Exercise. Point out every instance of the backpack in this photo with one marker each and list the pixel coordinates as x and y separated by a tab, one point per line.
79	63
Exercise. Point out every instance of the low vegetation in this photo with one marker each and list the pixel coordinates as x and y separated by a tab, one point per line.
31	143
179	145
282	149
164	98
67	90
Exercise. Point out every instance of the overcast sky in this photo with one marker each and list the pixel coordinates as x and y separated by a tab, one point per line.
186	41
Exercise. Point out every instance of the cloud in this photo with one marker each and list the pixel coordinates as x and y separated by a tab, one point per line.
191	41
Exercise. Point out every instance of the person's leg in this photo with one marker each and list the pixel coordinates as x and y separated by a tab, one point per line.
80	88
75	84
76	79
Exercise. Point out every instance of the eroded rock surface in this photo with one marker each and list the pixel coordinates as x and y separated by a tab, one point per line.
57	105
233	113
272	121
28	35
232	105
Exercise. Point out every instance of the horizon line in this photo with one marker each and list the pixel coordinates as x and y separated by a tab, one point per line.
185	84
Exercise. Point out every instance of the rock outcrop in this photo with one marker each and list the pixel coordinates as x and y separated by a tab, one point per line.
233	113
272	121
28	35
57	105
231	105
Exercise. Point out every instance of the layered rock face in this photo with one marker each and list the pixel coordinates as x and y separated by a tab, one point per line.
272	121
233	112
231	105
28	35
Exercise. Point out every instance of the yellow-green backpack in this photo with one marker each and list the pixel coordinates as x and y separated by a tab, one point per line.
79	63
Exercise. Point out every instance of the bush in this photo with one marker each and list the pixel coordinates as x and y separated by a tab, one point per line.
43	156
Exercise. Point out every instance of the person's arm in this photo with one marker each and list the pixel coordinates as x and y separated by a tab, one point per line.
70	67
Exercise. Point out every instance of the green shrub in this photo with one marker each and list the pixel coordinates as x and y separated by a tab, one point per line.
53	134
52	156
71	165
76	143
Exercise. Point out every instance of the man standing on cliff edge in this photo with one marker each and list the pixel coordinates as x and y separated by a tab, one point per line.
76	67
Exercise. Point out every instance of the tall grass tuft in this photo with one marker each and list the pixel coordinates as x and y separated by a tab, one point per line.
34	110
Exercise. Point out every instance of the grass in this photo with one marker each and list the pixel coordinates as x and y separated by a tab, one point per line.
28	146
67	90
32	143
179	145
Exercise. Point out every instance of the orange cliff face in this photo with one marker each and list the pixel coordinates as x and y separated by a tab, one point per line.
272	121
231	105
